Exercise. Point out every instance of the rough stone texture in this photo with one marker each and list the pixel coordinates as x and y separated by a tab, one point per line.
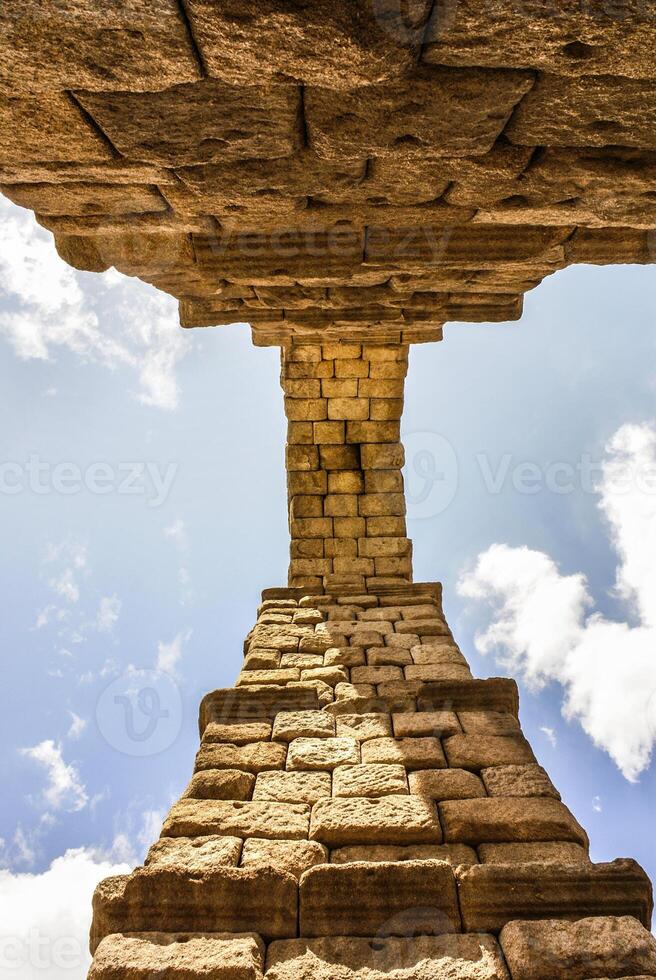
370	781
193	818
292	787
560	950
453	854
350	170
292	856
518	781
415	958
509	820
387	820
195	853
183	957
545	852
446	784
378	899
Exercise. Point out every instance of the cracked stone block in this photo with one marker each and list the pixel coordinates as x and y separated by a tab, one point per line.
46	128
294	857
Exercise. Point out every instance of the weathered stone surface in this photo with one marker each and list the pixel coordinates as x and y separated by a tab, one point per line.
255	757
192	124
481	751
295	857
526	780
370	781
413	753
194	818
438	724
257	731
46	128
446	784
322	753
194	853
492	895
370	899
387	820
488	722
416	958
340	45
302	724
364	727
561	950
220	784
545	852
292	787
179	957
508	820
555	37
586	111
453	854
66	46
259	900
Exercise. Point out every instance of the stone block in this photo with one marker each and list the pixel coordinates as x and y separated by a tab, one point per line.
503	820
292	856
322	753
497	693
259	900
292	787
387	820
482	751
192	124
545	852
488	722
364	727
289	725
371	899
243	704
370	781
220	784
529	780
437	672
446	784
47	128
492	895
453	854
256	731
439	112
202	818
185	956
256	757
560	950
375	675
339	45
193	854
436	724
415	958
413	753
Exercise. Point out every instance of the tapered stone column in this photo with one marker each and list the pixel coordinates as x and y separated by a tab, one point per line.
344	456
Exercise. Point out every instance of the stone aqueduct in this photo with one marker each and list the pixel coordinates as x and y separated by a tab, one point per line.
345	176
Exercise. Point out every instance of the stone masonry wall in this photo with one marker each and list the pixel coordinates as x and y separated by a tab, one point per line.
362	808
344	456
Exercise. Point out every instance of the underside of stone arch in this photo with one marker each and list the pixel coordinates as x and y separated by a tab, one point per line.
346	176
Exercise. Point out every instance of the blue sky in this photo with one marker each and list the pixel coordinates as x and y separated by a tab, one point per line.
142	496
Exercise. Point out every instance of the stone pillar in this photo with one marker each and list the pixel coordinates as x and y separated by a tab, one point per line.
344	456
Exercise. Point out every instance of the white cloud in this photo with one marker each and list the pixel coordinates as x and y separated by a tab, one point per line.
541	625
169	654
108	613
45	918
64	790
177	532
77	725
110	320
550	735
596	804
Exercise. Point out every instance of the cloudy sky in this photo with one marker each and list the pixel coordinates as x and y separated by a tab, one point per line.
142	498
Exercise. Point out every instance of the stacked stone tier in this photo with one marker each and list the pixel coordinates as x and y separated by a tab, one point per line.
335	169
362	808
